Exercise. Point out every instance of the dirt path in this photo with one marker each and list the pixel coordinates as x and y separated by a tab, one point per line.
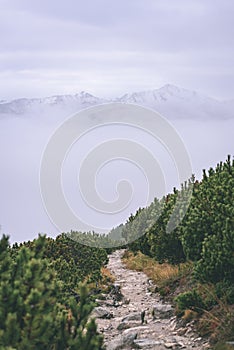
130	323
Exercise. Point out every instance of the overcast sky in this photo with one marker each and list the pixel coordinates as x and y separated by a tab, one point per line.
111	47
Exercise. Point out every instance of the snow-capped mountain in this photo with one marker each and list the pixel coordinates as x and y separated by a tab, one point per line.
174	102
171	101
69	102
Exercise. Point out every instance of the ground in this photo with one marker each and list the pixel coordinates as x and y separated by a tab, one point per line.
140	320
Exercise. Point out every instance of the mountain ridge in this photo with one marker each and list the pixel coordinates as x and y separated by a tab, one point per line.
169	100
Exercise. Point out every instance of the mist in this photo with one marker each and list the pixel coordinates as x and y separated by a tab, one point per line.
23	140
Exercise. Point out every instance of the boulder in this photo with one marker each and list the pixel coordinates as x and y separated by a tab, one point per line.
115	344
101	312
137	330
115	292
170	345
136	316
121	342
127	324
148	343
162	311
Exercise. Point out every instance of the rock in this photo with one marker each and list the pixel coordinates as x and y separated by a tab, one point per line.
128	338
150	282
147	343
116	292
162	311
104	302
136	316
115	344
188	331
121	342
132	309
173	343
126	301
170	345
101	312
138	329
181	331
181	345
116	303
200	338
127	324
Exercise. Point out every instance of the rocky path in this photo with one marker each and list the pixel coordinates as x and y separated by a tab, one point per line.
131	317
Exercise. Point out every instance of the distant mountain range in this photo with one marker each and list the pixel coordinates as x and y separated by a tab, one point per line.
171	101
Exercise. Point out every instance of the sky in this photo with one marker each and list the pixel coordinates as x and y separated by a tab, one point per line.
109	48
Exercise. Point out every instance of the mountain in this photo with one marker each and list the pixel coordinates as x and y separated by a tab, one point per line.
174	102
67	102
171	101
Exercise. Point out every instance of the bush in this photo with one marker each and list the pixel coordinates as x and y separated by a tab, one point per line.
32	313
208	228
190	300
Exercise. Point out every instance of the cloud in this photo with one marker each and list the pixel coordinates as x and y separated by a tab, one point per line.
113	47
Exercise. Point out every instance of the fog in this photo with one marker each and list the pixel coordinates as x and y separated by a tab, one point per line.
23	140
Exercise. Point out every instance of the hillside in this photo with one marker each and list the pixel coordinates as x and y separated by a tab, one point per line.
181	297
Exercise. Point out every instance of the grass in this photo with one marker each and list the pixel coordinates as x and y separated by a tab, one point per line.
164	275
219	323
107	276
224	346
103	286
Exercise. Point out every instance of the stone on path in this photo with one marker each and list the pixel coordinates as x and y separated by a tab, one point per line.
122	341
128	324
136	316
148	343
101	312
162	311
139	329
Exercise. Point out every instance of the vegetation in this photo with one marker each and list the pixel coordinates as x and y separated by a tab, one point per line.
202	244
43	304
165	276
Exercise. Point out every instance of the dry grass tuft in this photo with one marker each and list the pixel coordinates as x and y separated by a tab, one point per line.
189	315
161	274
107	279
107	275
218	322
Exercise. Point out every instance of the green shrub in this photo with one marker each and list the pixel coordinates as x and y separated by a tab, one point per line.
190	300
208	228
32	312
